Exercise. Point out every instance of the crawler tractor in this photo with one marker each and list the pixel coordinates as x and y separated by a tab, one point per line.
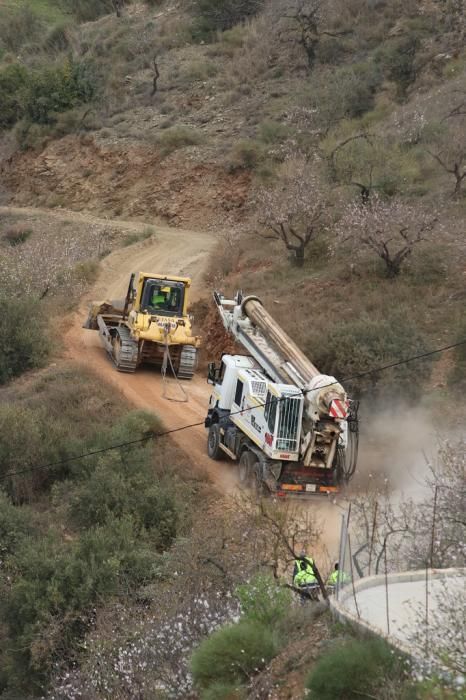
153	325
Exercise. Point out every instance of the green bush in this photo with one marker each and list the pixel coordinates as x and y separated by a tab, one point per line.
23	341
348	92
397	60
232	654
15	526
89	10
36	96
263	601
12	80
354	346
273	132
121	486
353	670
177	137
16	235
58	38
61	582
19	27
246	154
57	89
219	15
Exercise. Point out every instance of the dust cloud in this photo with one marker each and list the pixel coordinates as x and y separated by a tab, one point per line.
396	447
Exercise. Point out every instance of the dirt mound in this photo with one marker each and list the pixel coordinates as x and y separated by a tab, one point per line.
126	180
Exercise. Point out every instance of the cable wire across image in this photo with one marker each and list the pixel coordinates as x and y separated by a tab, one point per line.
171	431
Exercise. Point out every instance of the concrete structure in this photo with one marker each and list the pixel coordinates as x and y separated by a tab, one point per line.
405	595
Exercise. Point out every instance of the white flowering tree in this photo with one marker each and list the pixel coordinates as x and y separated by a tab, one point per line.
294	210
389	228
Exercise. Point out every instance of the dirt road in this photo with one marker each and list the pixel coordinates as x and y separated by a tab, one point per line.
173	251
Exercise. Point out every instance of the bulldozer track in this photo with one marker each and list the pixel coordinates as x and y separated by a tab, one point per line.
126	356
188	362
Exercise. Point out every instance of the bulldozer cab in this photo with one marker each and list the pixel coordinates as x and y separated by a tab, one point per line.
163	297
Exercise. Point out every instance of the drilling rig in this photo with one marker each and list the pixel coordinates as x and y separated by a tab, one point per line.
291	429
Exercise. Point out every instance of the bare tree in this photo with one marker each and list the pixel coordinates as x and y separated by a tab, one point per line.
310	20
155	77
389	228
118	6
281	531
294	211
451	153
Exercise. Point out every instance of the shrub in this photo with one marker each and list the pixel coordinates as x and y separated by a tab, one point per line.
273	132
89	10
57	89
352	670
369	342
121	486
348	91
23	343
60	582
12	80
263	601
177	137
246	154
58	38
15	526
397	60
232	654
16	235
219	15
19	27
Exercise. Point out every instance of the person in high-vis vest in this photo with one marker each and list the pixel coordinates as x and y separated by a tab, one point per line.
337	576
303	572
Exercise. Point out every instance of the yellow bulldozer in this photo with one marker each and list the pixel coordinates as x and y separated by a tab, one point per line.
153	325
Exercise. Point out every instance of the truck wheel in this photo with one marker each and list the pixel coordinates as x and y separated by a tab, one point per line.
213	442
247	468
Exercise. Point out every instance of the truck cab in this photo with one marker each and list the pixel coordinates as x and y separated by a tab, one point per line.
245	402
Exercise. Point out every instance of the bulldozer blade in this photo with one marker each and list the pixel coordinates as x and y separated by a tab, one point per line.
100	308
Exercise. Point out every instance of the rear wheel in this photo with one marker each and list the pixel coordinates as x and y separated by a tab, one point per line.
213	442
248	470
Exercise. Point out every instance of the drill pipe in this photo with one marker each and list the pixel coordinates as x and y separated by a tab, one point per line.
287	348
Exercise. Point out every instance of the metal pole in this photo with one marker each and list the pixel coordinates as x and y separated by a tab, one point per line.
434	515
386	588
341	554
352	577
427	608
374	525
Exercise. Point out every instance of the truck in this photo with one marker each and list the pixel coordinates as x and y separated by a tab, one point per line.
152	325
290	429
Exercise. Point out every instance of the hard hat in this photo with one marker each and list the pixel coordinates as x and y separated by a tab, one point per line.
166	290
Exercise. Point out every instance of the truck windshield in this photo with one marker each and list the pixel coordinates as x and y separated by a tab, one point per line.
288	424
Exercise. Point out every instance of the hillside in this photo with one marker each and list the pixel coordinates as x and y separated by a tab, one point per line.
310	152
